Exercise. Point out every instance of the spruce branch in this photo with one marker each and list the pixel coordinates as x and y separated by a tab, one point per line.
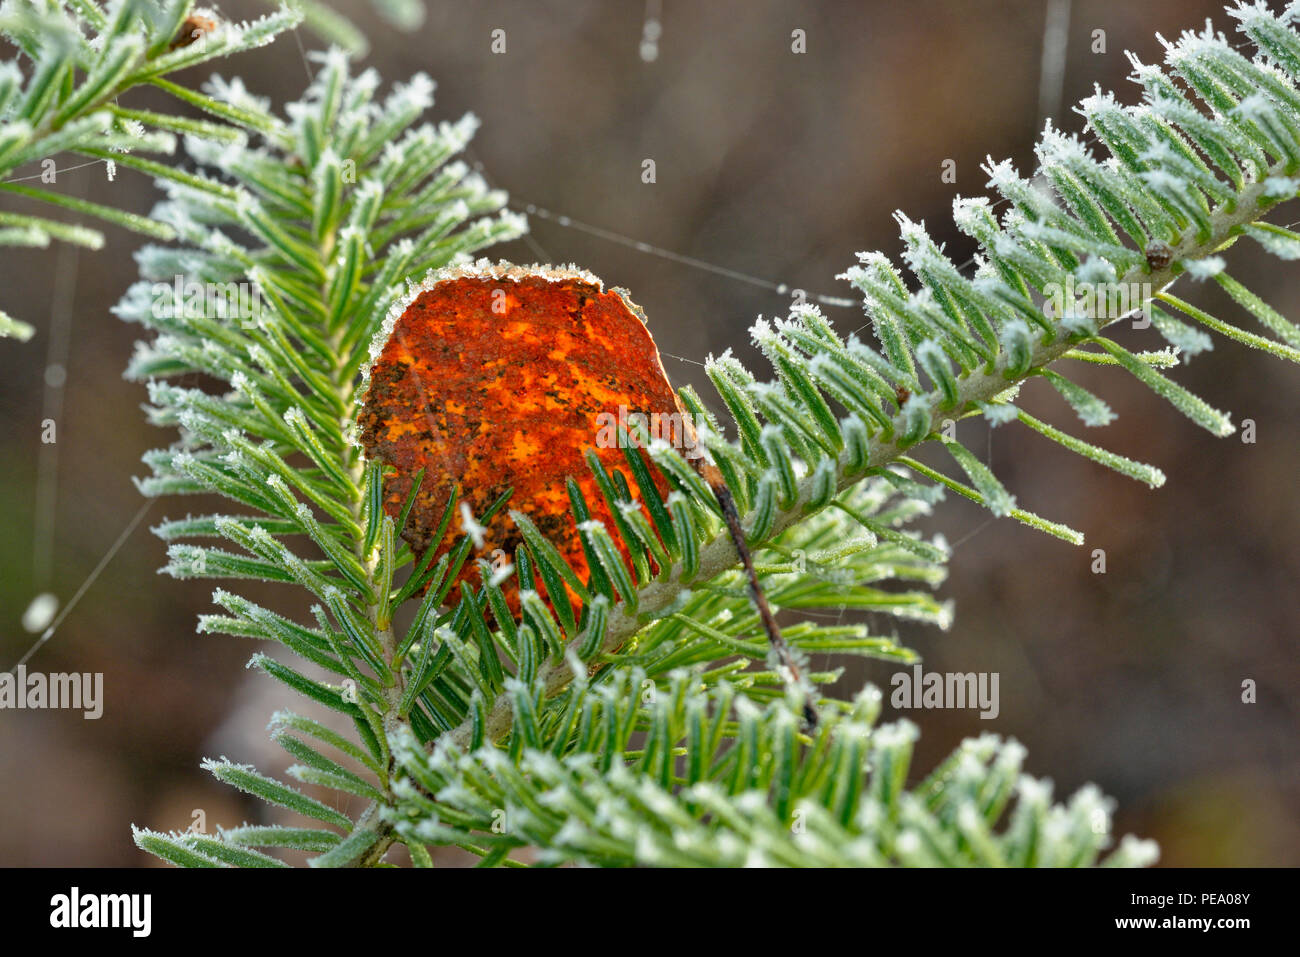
283	320
764	801
495	731
81	58
986	374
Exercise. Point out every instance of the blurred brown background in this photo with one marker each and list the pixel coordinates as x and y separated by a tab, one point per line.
779	166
